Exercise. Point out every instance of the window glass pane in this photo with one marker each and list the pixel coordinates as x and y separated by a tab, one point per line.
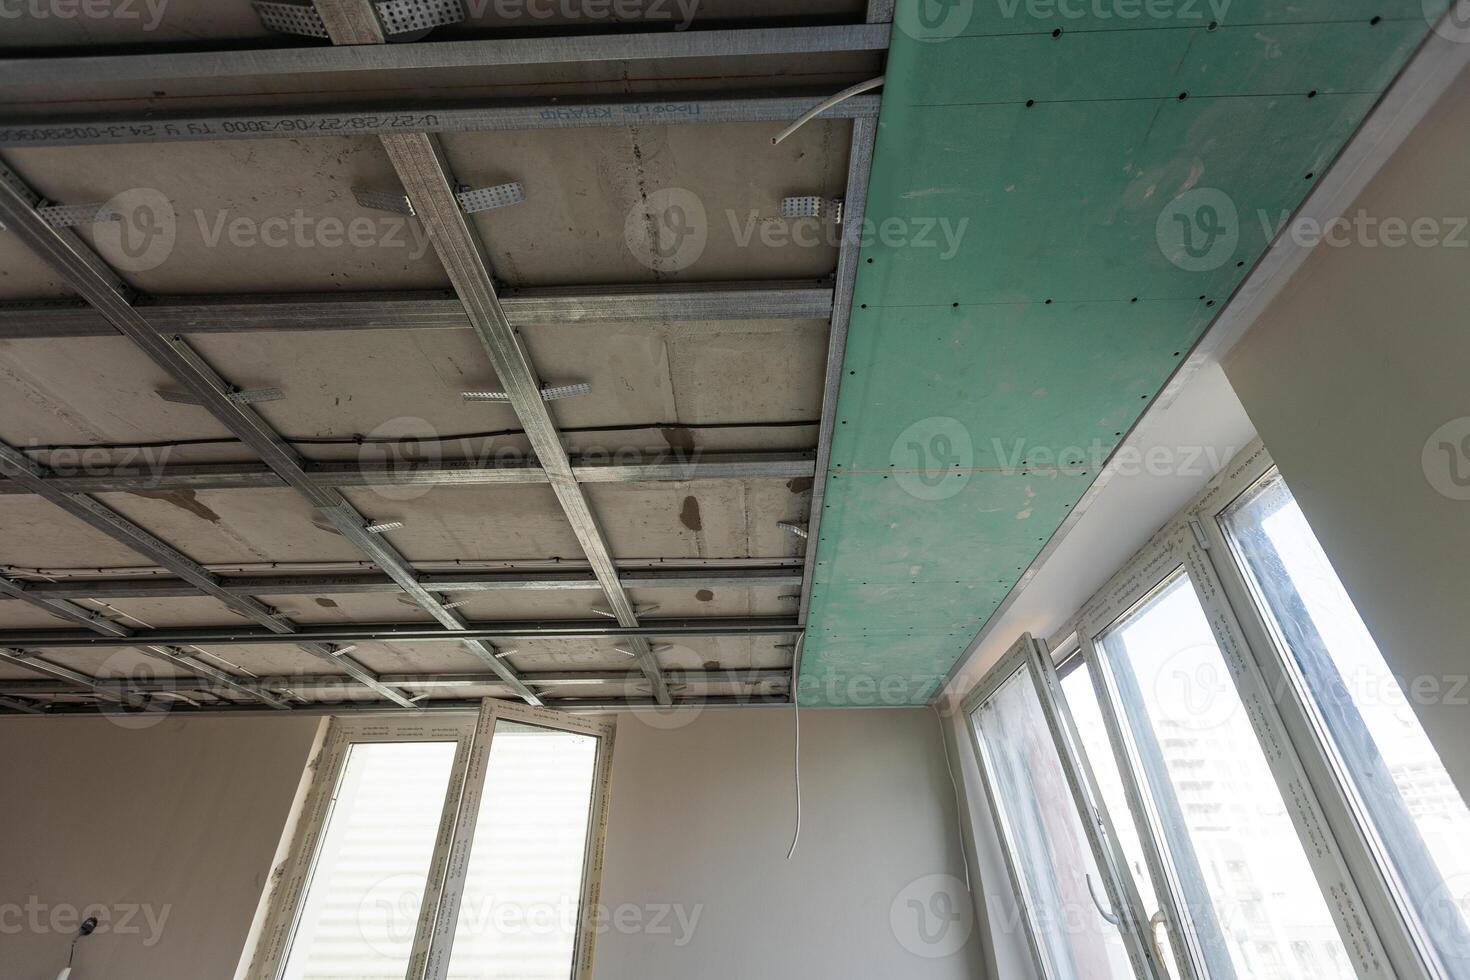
367	881
1420	824
1076	678
522	899
1045	836
1233	848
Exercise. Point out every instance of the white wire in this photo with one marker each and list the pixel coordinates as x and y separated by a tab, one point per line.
826	104
958	808
796	716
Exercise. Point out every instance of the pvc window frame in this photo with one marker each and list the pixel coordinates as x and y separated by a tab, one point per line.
1409	951
449	864
1375	930
1028	656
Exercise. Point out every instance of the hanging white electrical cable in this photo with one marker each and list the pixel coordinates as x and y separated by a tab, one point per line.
958	809
826	104
796	717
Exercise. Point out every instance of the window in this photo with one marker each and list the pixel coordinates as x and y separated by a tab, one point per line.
1398	788
1223	826
435	848
1223	746
1069	889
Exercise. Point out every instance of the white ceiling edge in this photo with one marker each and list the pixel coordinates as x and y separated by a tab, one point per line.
1196	421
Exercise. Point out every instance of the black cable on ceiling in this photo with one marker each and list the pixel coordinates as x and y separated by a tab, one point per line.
358	440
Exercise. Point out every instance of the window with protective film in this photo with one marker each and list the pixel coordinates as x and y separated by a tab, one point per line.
445	846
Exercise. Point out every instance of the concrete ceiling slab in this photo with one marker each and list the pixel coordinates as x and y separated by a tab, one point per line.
97	390
474	523
37	534
23	276
598	219
240	217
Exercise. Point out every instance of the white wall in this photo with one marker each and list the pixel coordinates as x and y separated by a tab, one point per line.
1362	357
702	818
183	820
171	830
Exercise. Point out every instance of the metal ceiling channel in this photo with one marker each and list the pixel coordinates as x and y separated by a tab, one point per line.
316	585
157	326
556	629
490	117
256	476
368	56
35	478
87	274
431	310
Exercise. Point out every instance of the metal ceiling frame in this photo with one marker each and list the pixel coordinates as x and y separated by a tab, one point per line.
299	60
859	170
86	273
151	126
321	686
663	467
419	632
158	325
431	309
108	521
755	577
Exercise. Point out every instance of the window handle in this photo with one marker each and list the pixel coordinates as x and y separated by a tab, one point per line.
1158	919
1111	917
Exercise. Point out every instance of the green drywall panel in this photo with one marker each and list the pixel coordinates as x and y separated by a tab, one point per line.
1026	286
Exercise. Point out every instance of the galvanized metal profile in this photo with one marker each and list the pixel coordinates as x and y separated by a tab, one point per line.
432	310
409	633
218	679
368	584
473	200
64	608
666	467
422	169
489	117
157	67
325	685
101	287
23	707
468	706
22	658
35	478
860	165
420	165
